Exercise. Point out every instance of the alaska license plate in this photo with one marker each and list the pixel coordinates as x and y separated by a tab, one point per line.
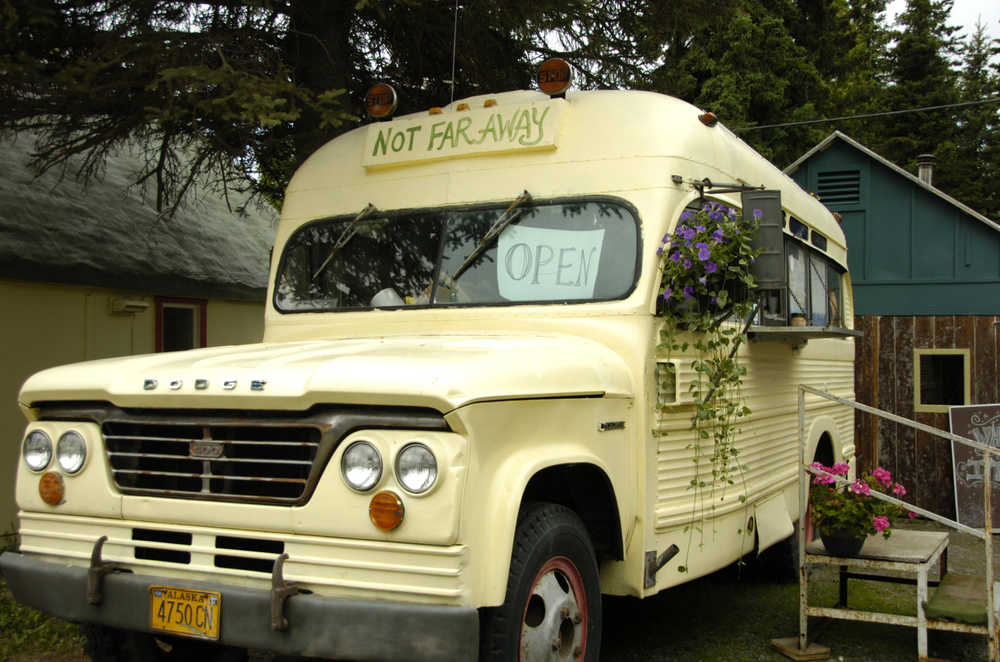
185	612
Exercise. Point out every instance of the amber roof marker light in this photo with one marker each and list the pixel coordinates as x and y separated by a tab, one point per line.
381	101
554	77
708	118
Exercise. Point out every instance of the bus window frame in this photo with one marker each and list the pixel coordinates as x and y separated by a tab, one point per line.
498	205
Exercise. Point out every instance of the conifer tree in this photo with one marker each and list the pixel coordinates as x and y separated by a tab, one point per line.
750	71
241	93
860	82
922	76
977	145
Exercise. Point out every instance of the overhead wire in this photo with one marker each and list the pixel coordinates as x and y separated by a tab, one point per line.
887	113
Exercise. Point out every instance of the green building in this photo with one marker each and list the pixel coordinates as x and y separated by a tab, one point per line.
925	269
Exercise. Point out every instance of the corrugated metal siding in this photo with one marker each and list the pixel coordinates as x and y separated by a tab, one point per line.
768	440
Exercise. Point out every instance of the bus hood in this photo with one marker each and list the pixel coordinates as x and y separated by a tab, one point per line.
440	372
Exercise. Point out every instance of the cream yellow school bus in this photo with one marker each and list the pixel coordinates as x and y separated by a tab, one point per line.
457	432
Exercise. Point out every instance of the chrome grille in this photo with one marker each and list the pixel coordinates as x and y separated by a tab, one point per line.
259	462
269	457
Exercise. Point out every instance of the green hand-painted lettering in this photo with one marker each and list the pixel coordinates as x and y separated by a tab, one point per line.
381	141
436	133
539	122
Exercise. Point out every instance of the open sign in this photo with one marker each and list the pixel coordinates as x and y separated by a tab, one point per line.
540	264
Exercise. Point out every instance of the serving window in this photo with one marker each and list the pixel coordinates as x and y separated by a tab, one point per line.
814	294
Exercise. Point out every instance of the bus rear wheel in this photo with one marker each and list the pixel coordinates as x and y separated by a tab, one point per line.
552	610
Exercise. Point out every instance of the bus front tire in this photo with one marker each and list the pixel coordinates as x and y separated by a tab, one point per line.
552	610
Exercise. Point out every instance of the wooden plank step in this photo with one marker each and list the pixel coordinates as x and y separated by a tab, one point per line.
959	598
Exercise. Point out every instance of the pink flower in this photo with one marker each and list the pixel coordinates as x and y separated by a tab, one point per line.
911	515
822	479
899	490
861	487
840	468
880	523
882	476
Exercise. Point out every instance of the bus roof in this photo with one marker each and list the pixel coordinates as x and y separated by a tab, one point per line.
491	147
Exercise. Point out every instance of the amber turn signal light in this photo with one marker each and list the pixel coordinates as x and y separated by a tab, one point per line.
51	488
386	511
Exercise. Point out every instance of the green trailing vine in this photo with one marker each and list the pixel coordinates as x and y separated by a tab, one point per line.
706	304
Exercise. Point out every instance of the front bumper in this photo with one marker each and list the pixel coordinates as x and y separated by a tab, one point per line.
318	626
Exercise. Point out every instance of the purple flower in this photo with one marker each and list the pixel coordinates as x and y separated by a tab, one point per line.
715	215
757	214
675	257
688	291
703	280
706	207
687	264
666	293
710	267
731	213
704	252
665	239
880	523
659	250
699	228
717	236
686	214
715	301
687	233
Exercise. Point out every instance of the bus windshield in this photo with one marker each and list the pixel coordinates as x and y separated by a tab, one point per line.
567	251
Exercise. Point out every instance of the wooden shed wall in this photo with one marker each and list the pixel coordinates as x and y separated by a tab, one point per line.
884	379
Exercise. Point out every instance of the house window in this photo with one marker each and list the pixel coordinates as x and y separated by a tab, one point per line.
180	324
940	379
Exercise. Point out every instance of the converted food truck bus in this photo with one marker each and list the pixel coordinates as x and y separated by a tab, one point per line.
461	427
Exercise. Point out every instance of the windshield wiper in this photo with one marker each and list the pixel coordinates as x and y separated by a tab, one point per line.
345	236
498	226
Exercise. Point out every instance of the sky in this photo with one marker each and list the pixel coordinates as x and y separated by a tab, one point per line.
963	15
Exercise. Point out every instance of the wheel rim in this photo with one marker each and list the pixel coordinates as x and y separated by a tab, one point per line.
554	622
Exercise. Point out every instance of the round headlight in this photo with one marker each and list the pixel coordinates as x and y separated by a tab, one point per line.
361	466
71	451
416	468
37	450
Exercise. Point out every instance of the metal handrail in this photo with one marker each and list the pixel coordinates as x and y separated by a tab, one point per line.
985	534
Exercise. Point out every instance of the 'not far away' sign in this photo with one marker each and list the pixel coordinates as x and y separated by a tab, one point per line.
494	130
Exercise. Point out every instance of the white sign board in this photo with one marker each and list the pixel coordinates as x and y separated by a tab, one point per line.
494	130
540	264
